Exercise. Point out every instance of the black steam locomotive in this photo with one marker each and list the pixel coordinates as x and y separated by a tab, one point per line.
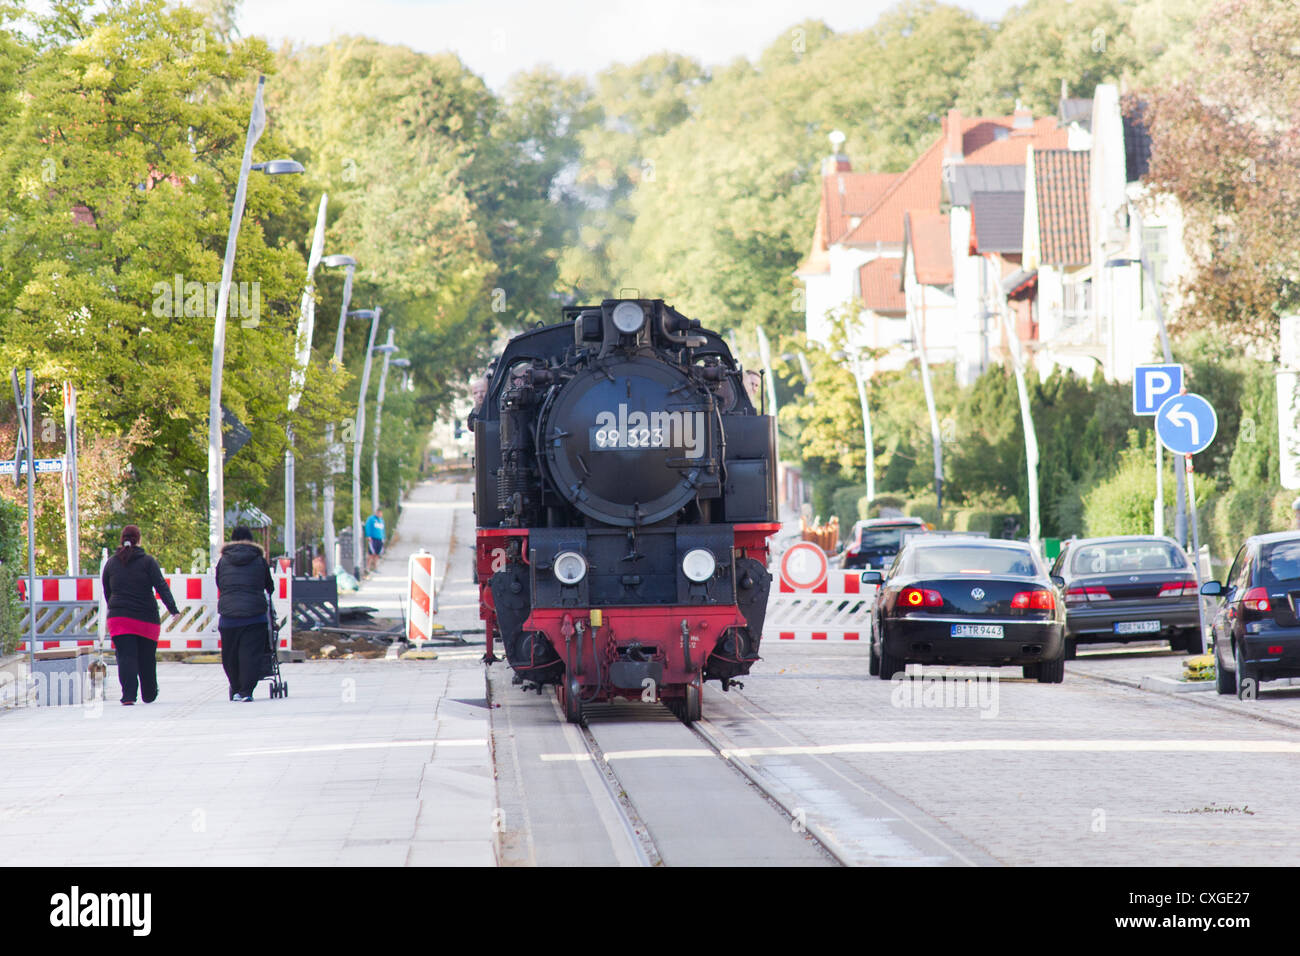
625	492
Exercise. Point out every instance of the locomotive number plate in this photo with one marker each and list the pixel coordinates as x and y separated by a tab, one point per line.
611	439
977	630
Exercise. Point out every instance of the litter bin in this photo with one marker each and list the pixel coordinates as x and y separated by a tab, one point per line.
61	676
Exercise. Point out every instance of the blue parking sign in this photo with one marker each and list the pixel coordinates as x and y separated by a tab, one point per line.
1186	424
1152	384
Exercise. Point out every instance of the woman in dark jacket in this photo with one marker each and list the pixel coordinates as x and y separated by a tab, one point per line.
244	589
130	578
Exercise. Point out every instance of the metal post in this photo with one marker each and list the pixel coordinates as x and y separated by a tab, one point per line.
356	449
379	418
866	430
31	530
1180	513
1196	558
71	514
1027	425
216	488
297	378
936	437
1160	491
331	453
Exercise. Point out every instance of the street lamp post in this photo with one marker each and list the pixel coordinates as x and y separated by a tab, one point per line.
359	431
297	378
334	461
216	485
1027	425
387	349
936	436
866	423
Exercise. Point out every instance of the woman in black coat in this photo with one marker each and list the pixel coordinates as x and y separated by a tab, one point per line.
130	578
244	589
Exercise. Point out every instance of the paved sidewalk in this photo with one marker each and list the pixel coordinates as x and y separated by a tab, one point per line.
438	516
367	762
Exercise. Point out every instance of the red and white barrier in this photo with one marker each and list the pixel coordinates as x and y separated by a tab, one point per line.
814	602
422	603
70	612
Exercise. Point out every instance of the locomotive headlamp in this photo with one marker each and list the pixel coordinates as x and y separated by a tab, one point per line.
570	567
699	565
628	317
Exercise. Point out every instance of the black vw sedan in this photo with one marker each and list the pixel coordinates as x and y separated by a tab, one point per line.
1256	627
967	601
1129	588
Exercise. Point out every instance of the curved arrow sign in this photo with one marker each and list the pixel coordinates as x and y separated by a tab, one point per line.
1186	424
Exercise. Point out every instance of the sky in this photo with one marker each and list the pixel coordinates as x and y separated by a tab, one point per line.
497	38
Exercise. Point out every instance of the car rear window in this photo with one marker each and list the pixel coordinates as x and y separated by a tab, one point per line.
879	538
1280	563
958	558
1126	556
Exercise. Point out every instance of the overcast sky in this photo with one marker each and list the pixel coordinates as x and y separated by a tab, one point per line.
496	38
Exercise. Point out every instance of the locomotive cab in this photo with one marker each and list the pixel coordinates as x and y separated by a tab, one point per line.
625	492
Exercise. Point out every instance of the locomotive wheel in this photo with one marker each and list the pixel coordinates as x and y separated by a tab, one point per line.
693	705
570	700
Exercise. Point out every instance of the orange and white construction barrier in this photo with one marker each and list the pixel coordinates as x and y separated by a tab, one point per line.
71	612
422	598
814	602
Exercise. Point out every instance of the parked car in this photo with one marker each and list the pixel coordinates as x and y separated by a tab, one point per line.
874	542
1256	628
1129	588
966	600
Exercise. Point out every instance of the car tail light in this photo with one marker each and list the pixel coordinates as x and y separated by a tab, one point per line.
1035	600
917	597
1256	599
1178	589
1276	649
1092	593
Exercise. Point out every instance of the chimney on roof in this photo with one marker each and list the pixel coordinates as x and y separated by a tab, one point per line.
837	161
1022	118
952	149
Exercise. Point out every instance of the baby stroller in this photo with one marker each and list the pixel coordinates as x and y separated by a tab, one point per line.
271	667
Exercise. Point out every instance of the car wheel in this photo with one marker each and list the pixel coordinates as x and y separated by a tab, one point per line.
1029	671
1051	672
889	664
1225	681
873	661
1247	680
1071	648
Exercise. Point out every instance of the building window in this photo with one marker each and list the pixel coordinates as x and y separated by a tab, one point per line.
1155	243
1078	303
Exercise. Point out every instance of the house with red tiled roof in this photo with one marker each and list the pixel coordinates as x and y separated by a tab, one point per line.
862	218
1125	225
990	160
1057	244
927	281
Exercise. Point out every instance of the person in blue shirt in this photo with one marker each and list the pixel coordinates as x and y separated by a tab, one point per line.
374	533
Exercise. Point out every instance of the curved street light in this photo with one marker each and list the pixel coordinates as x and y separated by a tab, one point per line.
216	460
334	455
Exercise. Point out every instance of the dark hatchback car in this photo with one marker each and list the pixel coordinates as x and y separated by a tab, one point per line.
1256	626
874	542
1129	588
967	601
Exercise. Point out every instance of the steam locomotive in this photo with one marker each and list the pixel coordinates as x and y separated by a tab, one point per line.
625	491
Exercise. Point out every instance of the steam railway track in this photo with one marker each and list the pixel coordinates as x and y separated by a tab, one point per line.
632	786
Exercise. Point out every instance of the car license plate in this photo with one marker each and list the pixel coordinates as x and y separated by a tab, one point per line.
1137	627
977	630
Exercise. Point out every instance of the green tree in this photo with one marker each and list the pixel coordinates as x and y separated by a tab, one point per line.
119	165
